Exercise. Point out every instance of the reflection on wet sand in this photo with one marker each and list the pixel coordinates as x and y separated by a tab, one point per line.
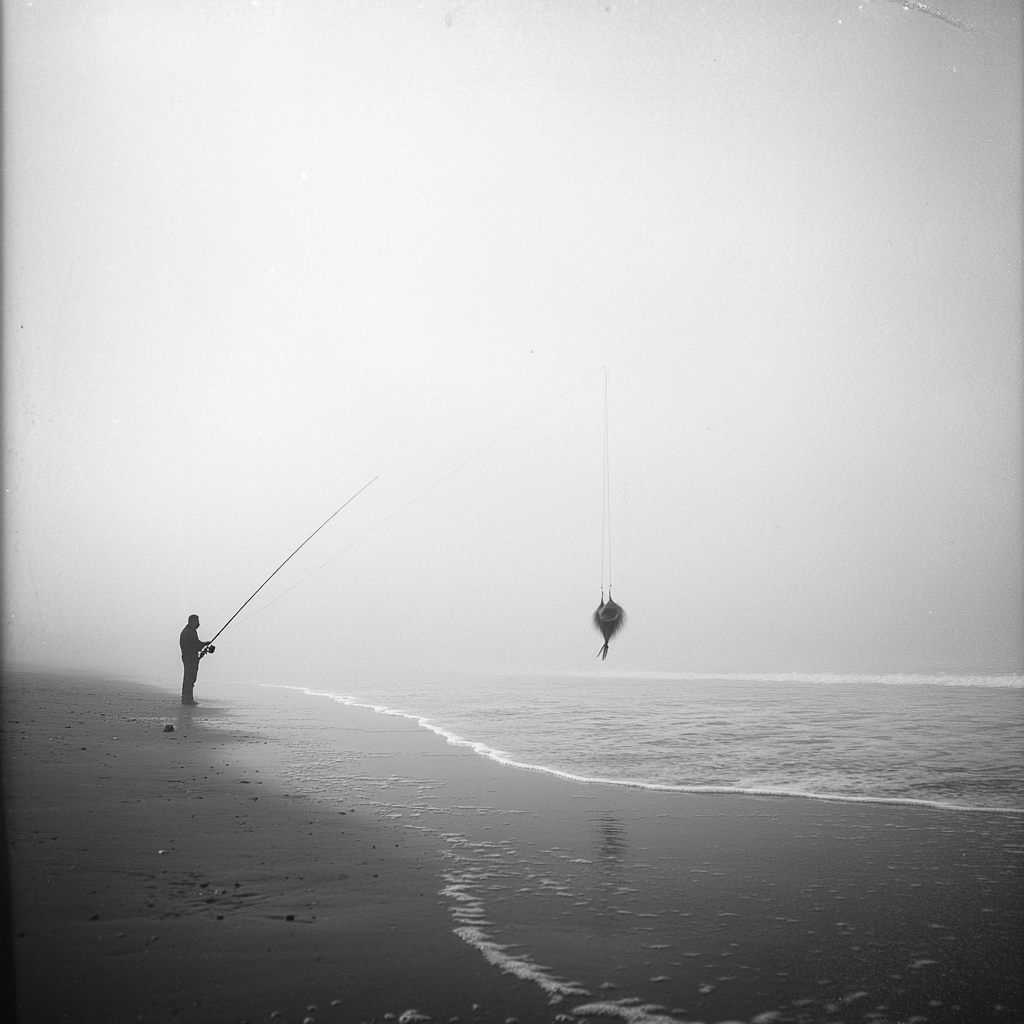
612	842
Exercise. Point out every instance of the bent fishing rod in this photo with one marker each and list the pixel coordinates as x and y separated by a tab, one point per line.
286	561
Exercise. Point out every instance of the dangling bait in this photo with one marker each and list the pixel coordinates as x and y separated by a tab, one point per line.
609	617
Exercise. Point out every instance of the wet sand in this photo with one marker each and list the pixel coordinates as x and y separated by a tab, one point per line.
158	877
278	852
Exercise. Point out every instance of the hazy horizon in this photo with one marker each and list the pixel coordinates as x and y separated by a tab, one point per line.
259	253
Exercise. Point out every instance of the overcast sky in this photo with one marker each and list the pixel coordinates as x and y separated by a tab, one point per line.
258	253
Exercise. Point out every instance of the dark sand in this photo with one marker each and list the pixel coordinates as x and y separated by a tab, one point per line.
155	876
279	853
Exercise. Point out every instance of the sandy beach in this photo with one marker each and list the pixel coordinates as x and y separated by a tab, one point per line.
277	856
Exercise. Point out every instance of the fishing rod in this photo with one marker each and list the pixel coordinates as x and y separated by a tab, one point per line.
287	560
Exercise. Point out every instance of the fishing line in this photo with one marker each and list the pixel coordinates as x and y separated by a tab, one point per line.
289	558
436	483
604	484
609	617
606	500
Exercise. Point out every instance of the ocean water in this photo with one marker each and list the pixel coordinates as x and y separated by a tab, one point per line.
884	887
941	740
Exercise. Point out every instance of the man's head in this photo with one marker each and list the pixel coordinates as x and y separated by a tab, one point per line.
193	620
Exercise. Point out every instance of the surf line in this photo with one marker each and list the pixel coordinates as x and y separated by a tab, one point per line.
502	757
427	490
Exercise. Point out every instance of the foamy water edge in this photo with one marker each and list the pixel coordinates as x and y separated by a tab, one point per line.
504	758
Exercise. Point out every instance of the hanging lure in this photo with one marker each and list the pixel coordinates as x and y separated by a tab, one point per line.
609	617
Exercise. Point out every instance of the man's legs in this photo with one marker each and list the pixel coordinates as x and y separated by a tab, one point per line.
189	679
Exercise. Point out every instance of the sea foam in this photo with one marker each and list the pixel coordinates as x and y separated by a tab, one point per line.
790	790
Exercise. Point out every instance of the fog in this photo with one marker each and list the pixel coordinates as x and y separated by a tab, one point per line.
259	253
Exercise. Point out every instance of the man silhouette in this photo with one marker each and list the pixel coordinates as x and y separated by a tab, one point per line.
192	649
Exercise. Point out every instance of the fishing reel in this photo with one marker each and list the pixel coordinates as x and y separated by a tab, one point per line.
208	649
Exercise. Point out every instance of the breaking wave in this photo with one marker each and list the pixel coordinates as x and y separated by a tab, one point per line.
790	790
